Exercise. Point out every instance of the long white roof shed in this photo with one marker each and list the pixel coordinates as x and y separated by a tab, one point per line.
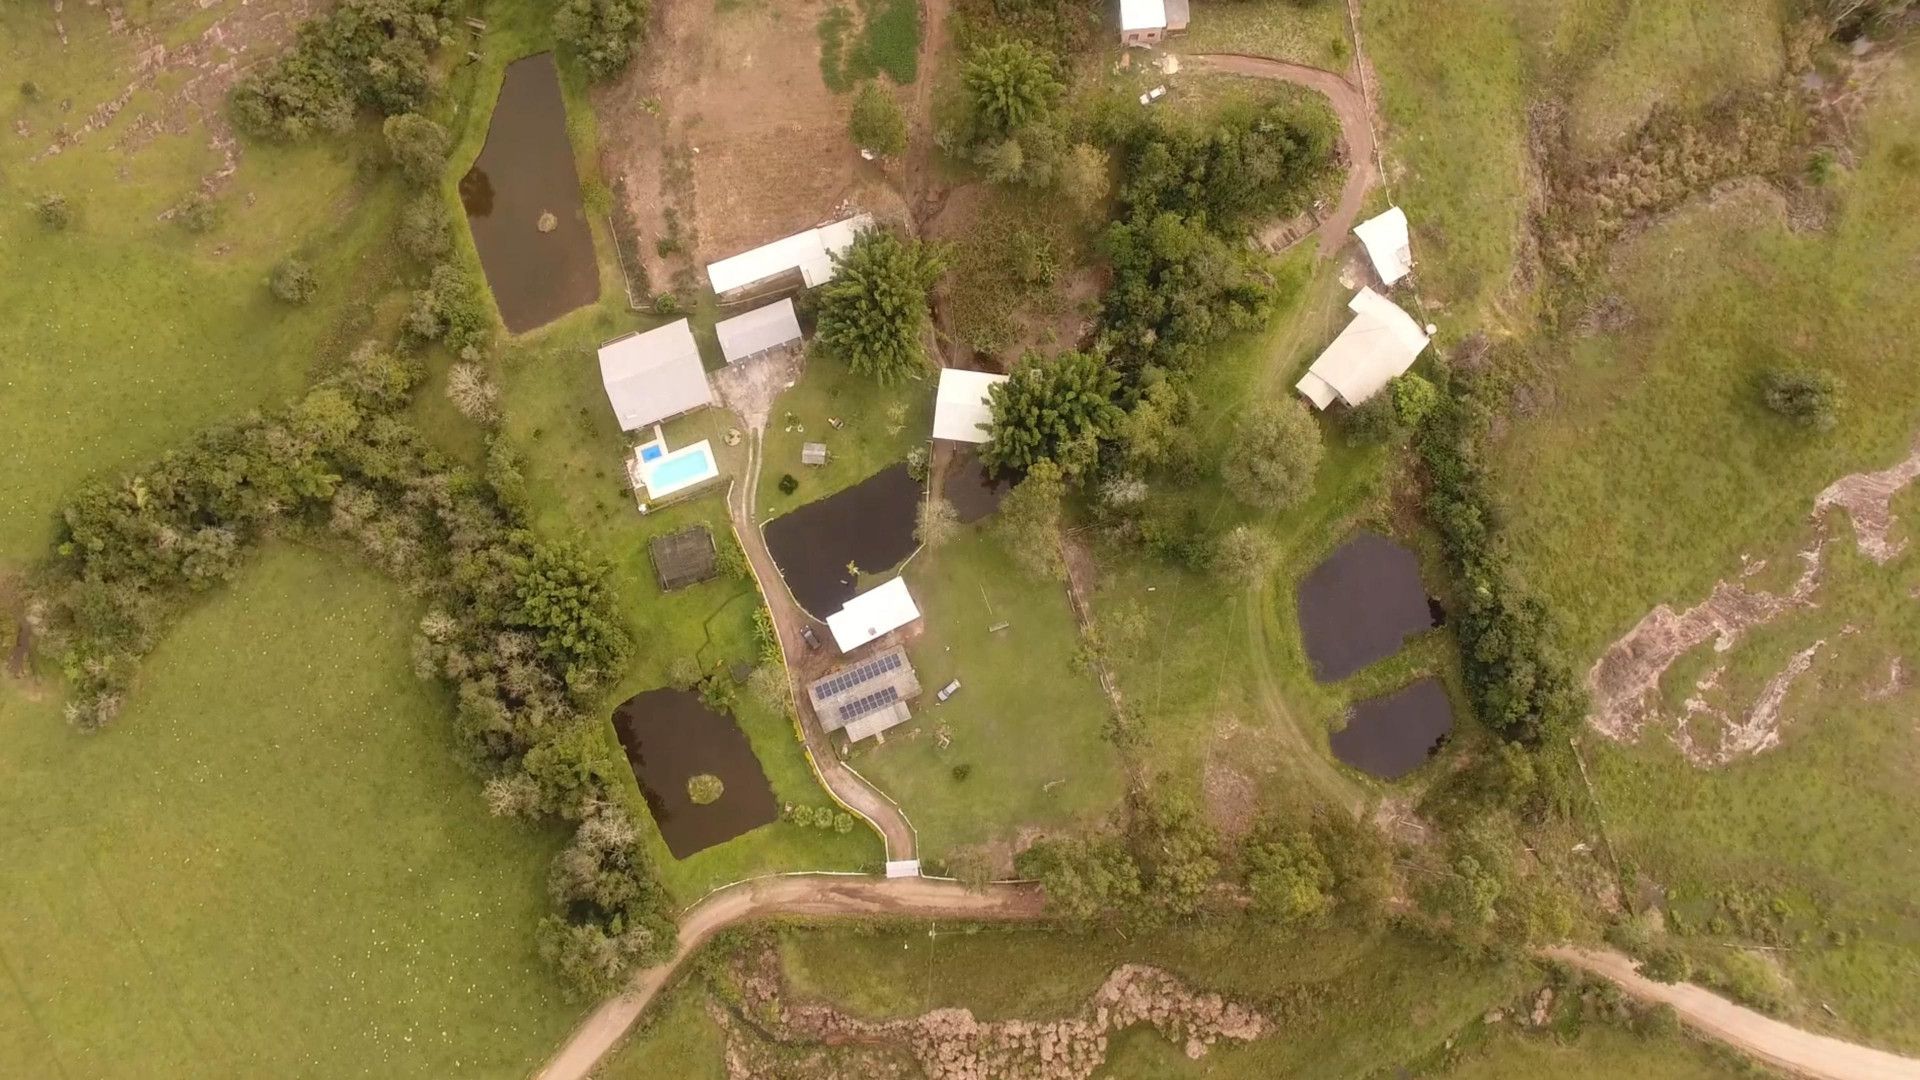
1143	15
877	611
1381	342
809	252
1387	244
960	409
652	376
756	331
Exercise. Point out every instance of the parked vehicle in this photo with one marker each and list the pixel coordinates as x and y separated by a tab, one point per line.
949	690
813	641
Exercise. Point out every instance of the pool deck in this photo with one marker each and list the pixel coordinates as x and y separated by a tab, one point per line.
643	470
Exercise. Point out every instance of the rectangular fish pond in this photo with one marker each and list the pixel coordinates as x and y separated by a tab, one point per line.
683	753
1392	735
522	199
1361	604
869	525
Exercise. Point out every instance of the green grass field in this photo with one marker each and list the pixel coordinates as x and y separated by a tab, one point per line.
1027	721
271	865
1598	1052
881	424
675	1038
1312	34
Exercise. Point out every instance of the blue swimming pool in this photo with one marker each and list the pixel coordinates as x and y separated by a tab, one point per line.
651	452
682	468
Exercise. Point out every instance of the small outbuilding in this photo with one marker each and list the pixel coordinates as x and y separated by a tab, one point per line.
961	408
759	331
880	610
813	453
654	376
1148	22
1388	246
1381	342
683	558
808	253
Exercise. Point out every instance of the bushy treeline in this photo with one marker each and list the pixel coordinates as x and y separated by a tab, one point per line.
601	33
1520	681
362	54
524	631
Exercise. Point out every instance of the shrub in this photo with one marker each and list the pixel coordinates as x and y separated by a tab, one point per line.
418	147
29	90
1028	522
1275	455
1009	85
601	33
198	213
704	789
877	124
1373	421
361	54
1807	397
473	394
935	522
453	311
874	313
422	229
1287	875
1245	555
962	771
788	485
1666	965
293	281
53	210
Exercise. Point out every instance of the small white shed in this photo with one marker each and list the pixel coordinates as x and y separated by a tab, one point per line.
1388	245
879	610
757	331
653	376
961	412
1381	342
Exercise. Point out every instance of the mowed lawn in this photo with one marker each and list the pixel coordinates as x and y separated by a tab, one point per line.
1026	724
271	865
124	333
881	425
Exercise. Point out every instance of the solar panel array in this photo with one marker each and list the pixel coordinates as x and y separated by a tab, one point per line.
854	676
866	703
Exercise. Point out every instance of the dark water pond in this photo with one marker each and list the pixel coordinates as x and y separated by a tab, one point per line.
524	171
670	737
1391	736
1361	605
869	524
973	492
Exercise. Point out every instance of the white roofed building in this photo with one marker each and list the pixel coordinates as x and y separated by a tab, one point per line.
1381	342
757	331
879	610
810	253
1388	245
1146	22
961	411
653	376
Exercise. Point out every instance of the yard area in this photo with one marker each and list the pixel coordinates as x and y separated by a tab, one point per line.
128	332
272	864
1311	34
881	425
1025	751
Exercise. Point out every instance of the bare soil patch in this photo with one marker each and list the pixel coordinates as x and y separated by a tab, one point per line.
1624	682
728	138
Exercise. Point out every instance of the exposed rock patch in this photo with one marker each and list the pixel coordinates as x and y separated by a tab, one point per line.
1625	682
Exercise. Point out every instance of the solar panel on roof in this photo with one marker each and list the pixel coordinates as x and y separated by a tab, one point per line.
861	706
854	676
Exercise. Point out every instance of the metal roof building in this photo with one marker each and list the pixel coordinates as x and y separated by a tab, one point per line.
655	375
757	331
810	252
961	411
1381	342
879	610
866	698
1388	245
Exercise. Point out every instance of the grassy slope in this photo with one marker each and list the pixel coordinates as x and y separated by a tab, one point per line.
1345	1005
127	333
1598	1052
675	1038
1312	34
271	865
1027	720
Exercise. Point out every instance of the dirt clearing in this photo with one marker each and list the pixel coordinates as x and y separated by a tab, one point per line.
729	138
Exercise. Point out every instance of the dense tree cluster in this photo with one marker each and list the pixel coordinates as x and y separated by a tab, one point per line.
1058	409
523	631
363	54
874	313
418	147
876	122
601	33
1275	455
451	309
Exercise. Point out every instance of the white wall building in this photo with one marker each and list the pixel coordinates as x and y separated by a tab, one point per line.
879	610
1381	342
810	252
961	411
754	332
1388	245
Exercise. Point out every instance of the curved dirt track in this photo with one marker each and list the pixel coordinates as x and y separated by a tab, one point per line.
812	894
1356	129
849	787
1780	1045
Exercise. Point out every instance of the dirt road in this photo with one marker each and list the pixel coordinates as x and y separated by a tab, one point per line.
814	895
848	786
1781	1045
1356	130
